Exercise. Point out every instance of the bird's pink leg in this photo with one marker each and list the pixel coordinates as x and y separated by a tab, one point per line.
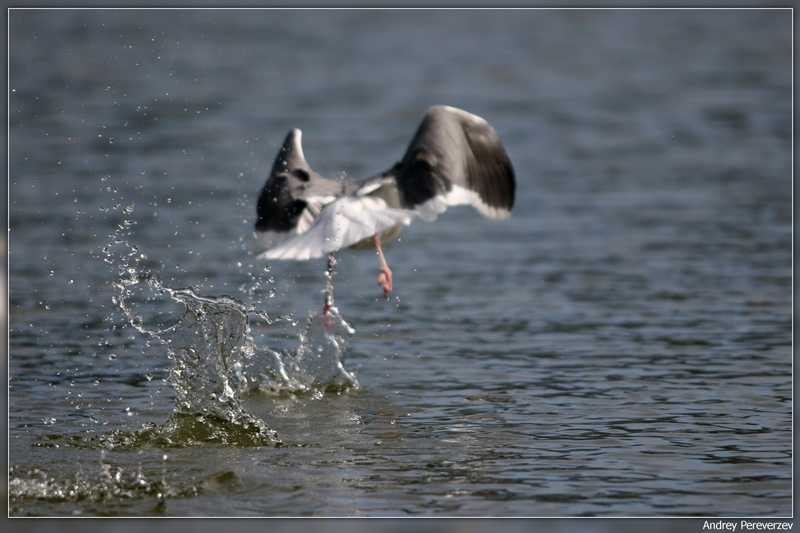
385	277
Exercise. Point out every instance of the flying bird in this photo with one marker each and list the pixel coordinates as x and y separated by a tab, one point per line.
455	158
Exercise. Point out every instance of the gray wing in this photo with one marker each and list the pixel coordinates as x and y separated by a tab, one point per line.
292	197
302	215
455	158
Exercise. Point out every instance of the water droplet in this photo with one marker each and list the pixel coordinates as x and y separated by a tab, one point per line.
112	356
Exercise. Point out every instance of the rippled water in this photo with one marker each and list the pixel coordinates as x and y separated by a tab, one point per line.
620	347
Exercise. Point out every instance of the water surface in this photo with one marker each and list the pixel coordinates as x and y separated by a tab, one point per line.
621	346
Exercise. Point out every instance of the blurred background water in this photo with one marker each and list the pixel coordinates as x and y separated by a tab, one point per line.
621	346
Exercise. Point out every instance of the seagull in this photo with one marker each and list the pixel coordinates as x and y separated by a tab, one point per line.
455	158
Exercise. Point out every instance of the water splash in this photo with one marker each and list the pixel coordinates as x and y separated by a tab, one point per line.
315	367
319	361
215	358
208	344
216	361
109	484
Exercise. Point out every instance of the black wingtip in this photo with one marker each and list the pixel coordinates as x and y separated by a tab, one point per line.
290	156
454	148
490	173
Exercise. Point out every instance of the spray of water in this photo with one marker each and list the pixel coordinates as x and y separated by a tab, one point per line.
215	359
